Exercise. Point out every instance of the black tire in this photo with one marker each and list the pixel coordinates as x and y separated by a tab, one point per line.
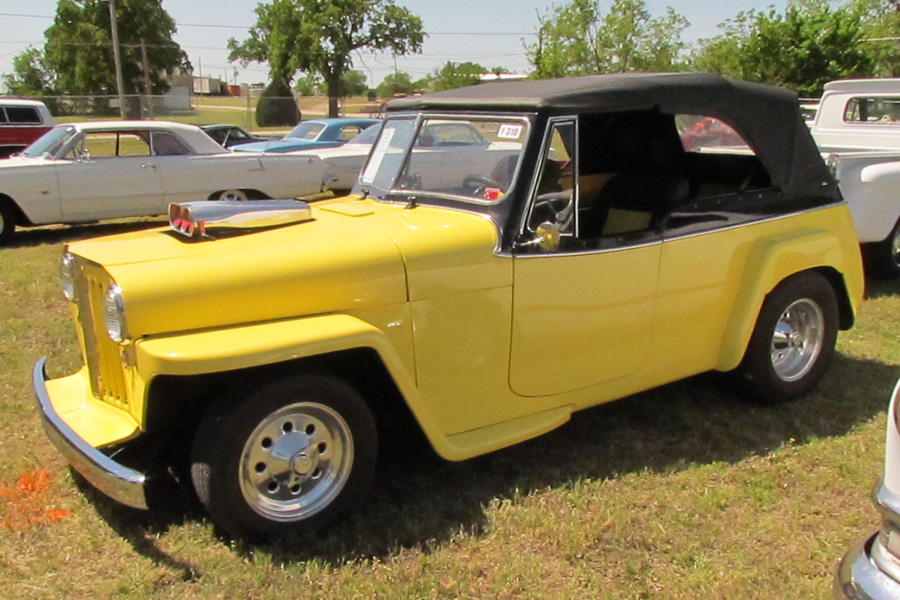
7	222
288	458
888	253
793	340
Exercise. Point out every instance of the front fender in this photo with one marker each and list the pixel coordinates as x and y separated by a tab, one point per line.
773	259
238	348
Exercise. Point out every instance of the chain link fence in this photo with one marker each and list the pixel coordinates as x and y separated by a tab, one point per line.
192	108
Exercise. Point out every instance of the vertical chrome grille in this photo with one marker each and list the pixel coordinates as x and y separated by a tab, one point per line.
102	355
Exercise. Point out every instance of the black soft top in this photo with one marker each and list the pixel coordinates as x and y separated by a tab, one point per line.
768	117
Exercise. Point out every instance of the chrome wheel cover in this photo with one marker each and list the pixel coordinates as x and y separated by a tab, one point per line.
296	462
233	195
797	339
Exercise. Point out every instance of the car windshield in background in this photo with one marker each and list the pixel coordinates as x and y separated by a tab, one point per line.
306	131
466	158
367	136
50	143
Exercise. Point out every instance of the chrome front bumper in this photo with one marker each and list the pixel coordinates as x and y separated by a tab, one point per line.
117	481
858	578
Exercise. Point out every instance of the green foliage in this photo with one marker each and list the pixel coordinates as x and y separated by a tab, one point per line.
353	83
78	55
456	75
318	36
306	84
880	23
577	39
30	77
276	106
802	48
394	84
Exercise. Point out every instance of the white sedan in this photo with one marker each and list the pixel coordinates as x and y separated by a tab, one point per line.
81	172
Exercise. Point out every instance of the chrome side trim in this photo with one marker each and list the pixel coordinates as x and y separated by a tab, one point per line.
858	578
117	481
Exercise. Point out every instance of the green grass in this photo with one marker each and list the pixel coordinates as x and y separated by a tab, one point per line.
683	492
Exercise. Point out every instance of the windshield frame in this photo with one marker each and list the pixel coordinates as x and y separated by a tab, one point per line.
394	193
52	143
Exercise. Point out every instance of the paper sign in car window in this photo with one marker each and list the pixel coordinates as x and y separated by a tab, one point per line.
378	155
509	132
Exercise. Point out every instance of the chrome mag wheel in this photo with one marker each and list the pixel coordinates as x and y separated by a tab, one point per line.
797	339
296	462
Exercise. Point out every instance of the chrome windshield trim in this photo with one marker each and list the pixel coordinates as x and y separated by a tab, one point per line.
117	481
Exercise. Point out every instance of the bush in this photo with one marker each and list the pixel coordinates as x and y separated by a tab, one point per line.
277	107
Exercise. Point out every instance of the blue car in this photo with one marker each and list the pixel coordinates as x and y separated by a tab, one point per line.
312	134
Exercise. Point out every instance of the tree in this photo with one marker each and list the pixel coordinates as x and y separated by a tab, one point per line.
577	39
456	75
318	36
881	26
79	52
353	83
30	77
802	49
394	84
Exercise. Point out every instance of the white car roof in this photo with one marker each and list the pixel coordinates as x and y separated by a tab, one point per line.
193	135
870	86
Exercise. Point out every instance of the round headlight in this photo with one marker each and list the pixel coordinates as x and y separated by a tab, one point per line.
67	276
114	313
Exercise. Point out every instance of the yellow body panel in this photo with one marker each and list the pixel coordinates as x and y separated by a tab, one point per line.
486	349
98	423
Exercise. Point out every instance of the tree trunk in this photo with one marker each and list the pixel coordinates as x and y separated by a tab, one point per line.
334	86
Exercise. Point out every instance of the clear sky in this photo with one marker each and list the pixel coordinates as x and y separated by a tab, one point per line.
497	31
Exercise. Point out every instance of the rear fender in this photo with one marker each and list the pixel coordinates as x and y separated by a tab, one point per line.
774	259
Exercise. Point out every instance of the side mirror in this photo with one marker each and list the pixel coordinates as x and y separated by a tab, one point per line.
549	235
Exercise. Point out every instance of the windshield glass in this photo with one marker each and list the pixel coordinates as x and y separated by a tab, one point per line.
462	158
50	143
306	131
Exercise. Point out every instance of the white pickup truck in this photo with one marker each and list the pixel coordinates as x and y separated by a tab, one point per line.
857	128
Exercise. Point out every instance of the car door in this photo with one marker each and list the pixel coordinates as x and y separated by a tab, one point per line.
583	303
110	174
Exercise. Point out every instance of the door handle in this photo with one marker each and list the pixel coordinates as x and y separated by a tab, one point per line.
148	166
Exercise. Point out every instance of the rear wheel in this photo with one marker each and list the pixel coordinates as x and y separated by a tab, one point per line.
290	458
793	340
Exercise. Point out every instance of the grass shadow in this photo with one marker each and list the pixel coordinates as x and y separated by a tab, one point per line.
879	287
420	501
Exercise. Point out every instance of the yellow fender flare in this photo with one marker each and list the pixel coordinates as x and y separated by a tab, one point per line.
237	348
779	257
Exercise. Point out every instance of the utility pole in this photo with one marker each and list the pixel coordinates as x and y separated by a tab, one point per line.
148	88
120	83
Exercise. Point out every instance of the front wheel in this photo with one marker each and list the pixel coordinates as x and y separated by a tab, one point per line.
889	253
793	340
240	195
290	458
7	223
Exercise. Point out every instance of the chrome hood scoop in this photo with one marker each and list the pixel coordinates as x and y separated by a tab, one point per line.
225	218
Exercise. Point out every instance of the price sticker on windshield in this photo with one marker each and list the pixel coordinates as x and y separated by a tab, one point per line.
509	132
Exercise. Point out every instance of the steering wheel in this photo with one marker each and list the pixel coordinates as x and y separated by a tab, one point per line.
479	183
554	207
